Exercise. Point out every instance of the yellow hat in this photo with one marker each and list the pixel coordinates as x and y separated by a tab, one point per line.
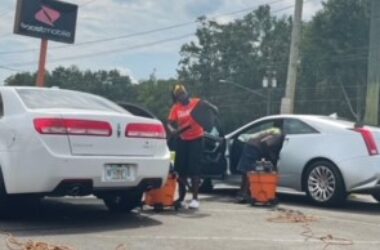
179	89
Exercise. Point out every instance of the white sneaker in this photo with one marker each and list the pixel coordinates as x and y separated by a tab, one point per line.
194	204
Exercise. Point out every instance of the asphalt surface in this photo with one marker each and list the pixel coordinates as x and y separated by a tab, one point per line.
85	224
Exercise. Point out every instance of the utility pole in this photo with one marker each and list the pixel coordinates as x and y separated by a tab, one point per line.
269	83
41	76
287	103
373	86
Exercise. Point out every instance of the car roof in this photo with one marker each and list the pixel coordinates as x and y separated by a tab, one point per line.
33	87
319	122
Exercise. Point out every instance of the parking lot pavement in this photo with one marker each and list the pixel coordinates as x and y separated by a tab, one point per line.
85	224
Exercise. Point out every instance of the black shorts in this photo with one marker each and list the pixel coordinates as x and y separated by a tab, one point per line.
188	157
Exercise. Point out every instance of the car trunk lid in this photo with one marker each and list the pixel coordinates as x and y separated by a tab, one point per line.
116	138
104	134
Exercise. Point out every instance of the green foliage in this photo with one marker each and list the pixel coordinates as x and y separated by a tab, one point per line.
240	52
21	79
111	84
335	52
156	96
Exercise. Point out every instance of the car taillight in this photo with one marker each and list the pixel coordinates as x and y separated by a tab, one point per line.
142	130
58	126
369	140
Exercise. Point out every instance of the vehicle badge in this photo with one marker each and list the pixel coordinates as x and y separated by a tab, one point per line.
118	130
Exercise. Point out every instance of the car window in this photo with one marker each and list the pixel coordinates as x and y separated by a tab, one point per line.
64	99
259	127
136	110
297	127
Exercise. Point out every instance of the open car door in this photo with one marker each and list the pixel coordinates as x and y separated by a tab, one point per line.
214	164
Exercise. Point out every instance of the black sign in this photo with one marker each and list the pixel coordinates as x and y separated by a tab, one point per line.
46	19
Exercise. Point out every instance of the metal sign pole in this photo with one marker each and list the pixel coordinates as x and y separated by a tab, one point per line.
41	67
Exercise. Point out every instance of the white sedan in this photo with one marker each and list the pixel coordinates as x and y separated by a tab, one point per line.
58	142
325	157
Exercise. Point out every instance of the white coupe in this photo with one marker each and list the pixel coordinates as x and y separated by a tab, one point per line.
324	157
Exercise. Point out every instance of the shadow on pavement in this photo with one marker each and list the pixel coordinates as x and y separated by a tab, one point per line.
182	213
55	217
358	204
355	204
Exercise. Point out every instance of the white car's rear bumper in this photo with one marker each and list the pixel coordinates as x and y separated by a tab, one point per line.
361	174
45	173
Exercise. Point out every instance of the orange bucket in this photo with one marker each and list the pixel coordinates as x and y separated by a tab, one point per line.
263	186
163	196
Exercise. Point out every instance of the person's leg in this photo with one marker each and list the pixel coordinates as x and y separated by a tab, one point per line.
180	167
243	168
195	181
246	164
244	186
182	188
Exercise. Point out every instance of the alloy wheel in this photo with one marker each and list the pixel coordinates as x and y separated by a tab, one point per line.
321	183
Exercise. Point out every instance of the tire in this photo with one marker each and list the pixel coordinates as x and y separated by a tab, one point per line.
3	194
324	184
206	186
123	202
376	197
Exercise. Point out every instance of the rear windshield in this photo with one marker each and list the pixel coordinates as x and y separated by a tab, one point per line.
65	99
338	121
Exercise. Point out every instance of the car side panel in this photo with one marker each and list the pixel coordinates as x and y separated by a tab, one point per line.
301	149
361	174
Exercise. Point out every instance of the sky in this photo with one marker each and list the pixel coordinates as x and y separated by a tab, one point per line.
136	55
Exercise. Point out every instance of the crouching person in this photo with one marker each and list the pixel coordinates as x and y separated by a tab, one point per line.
266	144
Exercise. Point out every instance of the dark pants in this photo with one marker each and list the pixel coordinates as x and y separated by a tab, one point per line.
250	155
188	157
188	164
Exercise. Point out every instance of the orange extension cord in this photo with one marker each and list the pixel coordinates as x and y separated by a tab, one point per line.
293	216
14	244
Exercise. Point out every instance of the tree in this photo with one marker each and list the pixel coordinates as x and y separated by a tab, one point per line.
334	61
155	96
110	84
21	79
241	51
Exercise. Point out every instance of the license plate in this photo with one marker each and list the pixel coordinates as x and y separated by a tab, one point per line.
117	172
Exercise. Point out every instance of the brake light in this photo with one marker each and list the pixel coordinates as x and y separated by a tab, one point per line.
369	140
58	126
141	130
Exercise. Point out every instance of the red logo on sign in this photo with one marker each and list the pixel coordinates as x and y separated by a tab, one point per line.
47	16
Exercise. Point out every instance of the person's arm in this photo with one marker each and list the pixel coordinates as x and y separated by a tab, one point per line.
173	128
171	125
172	120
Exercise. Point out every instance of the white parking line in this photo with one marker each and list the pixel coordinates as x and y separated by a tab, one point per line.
218	238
